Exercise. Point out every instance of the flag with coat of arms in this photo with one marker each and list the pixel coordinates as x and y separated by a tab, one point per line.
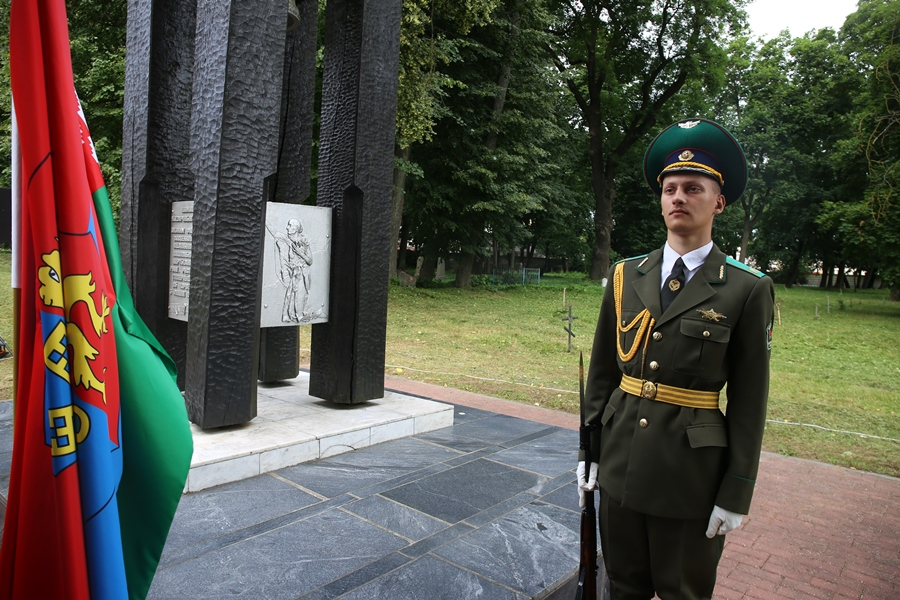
102	444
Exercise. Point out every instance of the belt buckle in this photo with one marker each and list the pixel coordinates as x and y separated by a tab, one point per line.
648	390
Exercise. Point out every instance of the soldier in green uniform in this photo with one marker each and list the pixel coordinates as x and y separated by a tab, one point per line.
676	469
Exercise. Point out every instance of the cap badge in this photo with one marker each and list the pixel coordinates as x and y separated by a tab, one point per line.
686	155
711	314
689	124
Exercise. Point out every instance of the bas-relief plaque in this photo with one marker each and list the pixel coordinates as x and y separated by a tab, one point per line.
296	265
182	228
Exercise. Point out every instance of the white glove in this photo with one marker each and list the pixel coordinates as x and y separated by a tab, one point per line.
586	486
722	521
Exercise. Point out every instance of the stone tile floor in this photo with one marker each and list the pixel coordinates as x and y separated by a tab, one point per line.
484	509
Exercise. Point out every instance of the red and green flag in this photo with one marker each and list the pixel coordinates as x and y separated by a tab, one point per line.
101	440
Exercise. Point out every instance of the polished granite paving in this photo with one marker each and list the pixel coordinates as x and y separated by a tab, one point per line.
483	509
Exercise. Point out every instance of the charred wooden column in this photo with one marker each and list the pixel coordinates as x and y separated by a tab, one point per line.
238	65
356	142
278	356
156	155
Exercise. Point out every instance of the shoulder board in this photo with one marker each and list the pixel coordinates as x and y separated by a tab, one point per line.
641	258
733	263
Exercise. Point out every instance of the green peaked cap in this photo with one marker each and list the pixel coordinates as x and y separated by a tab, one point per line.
700	146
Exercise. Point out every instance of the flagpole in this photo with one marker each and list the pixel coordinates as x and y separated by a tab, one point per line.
16	241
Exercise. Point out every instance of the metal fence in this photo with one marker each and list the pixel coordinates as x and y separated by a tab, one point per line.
516	276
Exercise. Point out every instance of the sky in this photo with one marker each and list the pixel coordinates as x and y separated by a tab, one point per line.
769	17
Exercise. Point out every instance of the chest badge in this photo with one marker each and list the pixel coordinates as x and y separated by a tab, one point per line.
711	314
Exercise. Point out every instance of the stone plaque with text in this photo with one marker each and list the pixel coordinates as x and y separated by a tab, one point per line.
180	259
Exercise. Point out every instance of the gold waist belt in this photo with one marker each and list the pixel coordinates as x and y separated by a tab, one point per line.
669	393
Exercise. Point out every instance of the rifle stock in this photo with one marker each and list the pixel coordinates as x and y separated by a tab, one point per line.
587	570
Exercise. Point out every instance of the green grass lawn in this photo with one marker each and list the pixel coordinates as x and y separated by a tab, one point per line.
835	388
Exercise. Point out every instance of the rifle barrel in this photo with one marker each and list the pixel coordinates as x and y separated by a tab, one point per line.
587	568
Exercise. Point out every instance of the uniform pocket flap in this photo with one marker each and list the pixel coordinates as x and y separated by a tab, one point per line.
608	412
701	436
705	330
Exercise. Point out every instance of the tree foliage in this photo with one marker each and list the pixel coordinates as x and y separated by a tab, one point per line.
624	62
872	38
97	38
430	35
522	123
5	99
491	171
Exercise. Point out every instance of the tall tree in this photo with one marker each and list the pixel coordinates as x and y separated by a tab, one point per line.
97	34
623	61
492	160
753	95
804	126
430	36
872	35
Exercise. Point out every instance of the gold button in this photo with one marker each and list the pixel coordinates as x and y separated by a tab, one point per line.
657	336
654	365
643	423
706	334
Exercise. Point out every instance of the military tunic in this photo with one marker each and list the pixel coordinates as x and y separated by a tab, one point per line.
671	460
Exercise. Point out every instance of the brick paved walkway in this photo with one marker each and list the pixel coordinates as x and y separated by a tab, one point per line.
815	531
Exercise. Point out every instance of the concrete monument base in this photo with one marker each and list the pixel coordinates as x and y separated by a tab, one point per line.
292	427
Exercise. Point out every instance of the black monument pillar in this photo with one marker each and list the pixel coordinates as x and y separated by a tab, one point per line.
238	65
356	141
278	352
156	156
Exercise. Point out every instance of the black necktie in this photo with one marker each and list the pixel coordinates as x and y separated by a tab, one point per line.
673	285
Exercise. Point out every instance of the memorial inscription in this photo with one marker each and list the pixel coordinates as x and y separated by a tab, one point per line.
182	228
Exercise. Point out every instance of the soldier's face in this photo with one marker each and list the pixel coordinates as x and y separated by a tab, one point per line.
690	201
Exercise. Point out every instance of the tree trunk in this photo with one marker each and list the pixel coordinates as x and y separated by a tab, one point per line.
429	267
745	239
499	101
400	263
602	185
397	198
870	279
464	270
825	281
793	271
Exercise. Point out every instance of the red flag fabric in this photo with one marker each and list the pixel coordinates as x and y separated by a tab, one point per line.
61	536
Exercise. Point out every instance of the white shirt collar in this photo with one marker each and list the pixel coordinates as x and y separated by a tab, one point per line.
693	260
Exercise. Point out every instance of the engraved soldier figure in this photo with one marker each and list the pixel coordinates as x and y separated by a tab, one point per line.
675	471
294	259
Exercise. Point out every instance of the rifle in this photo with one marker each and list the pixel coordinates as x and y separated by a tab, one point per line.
587	569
